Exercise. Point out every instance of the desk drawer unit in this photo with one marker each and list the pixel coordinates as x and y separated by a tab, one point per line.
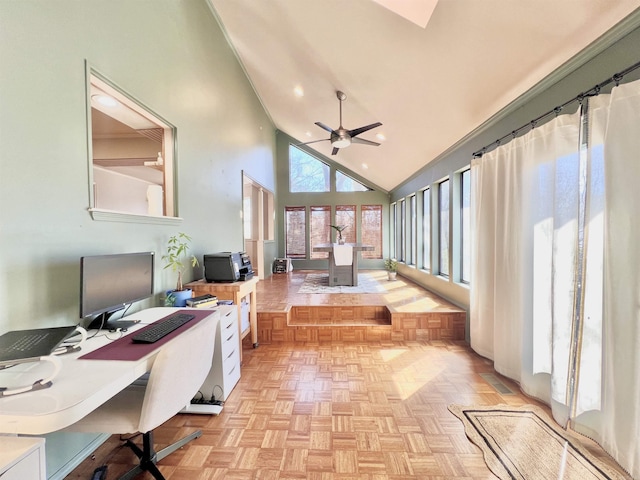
225	371
22	458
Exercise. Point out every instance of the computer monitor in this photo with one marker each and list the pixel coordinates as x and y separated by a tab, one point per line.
108	283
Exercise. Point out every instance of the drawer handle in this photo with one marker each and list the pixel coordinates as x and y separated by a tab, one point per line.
231	371
231	354
227	314
230	337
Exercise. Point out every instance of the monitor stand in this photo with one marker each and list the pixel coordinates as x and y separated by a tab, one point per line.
103	322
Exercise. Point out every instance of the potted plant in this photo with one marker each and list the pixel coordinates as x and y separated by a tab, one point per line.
391	266
176	258
339	229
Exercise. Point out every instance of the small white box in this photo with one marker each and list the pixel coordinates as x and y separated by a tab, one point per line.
244	317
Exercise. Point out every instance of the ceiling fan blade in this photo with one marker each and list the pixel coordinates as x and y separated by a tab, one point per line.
363	141
315	141
323	126
360	130
335	150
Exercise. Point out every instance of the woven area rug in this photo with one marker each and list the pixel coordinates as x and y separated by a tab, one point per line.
319	283
524	443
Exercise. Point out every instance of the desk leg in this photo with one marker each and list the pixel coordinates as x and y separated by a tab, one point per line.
354	269
253	318
237	299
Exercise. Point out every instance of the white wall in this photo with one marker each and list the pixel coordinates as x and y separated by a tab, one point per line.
173	57
122	193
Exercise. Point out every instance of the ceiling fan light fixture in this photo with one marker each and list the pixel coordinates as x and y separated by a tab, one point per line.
340	141
342	137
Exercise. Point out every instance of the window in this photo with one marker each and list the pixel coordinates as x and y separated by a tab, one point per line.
346	215
426	229
413	234
403	226
132	154
296	232
344	183
443	225
307	173
372	230
393	248
320	228
465	227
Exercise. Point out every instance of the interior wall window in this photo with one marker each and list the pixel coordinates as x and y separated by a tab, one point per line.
320	228
295	232
465	227
403	229
413	231
426	229
307	173
372	230
443	226
346	216
132	154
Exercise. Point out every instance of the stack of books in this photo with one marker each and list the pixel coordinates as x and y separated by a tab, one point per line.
203	301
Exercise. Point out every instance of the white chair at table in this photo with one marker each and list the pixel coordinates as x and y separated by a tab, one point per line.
177	374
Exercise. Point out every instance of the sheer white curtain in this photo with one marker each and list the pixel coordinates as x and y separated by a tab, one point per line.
555	253
518	203
618	423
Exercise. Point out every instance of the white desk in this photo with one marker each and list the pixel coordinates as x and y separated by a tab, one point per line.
81	386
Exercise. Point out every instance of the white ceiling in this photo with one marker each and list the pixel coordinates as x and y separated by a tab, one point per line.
428	86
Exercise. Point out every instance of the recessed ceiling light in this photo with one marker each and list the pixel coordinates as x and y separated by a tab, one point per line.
298	91
380	136
365	166
308	133
105	100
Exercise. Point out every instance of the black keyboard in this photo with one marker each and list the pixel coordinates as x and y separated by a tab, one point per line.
162	328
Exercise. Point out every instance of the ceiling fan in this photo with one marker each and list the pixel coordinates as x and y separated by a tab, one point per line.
341	137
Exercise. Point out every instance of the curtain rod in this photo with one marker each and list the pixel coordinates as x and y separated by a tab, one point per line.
616	78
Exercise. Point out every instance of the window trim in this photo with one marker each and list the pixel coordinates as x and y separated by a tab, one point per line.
441	273
465	281
170	197
427	235
296	208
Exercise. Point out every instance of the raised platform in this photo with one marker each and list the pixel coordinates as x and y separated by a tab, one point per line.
399	310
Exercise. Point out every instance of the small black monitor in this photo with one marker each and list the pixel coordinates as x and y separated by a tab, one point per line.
108	283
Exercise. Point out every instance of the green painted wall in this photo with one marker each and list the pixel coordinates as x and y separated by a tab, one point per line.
173	57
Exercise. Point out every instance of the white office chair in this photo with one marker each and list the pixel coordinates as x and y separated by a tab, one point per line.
177	374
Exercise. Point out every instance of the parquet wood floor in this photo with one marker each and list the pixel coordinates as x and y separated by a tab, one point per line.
334	410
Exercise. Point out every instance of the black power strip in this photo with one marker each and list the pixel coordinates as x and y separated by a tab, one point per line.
202	401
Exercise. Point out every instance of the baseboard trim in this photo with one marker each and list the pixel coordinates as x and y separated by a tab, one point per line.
68	467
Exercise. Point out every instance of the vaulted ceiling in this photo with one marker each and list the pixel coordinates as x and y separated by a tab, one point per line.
431	71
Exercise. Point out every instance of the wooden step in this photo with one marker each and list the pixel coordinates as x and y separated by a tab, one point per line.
403	312
339	316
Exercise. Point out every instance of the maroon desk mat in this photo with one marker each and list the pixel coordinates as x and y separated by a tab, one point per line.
125	349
